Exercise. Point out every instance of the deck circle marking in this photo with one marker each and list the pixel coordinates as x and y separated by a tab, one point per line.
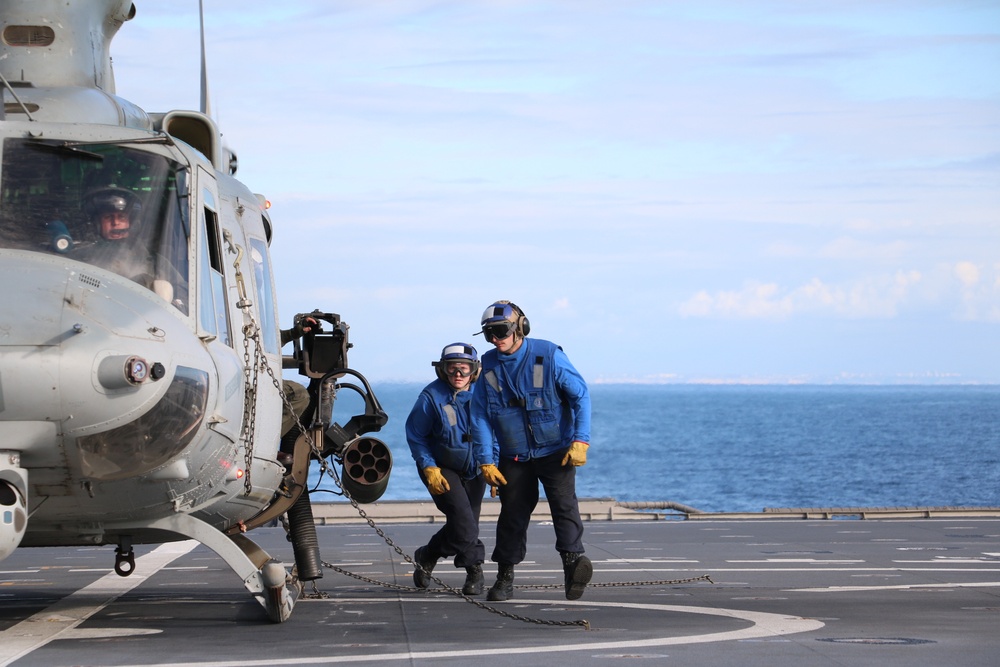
764	625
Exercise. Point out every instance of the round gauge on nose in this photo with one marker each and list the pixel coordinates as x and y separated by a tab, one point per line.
137	370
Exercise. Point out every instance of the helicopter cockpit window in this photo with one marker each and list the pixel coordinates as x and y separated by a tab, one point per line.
116	208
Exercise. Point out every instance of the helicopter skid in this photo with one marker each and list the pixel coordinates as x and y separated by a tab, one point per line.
265	577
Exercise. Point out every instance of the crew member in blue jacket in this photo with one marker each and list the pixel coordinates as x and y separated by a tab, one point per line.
537	406
438	432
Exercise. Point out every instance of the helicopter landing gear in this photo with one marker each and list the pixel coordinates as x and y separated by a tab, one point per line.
124	557
265	578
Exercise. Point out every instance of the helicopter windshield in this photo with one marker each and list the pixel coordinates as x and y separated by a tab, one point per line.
117	208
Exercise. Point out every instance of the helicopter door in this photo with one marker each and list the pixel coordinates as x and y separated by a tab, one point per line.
214	321
242	225
213	310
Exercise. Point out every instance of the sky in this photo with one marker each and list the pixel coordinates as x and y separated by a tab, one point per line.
703	191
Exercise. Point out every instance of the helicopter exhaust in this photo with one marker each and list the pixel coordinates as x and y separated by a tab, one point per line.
305	543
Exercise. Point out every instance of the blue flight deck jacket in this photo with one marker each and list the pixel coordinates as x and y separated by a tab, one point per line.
533	401
437	430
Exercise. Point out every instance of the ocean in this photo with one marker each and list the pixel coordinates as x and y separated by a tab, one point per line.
746	448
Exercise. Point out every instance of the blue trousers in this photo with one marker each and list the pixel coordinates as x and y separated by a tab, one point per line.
459	537
519	497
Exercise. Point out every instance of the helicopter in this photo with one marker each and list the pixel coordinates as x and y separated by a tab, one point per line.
141	390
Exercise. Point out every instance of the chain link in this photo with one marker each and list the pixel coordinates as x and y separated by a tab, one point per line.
493	610
250	369
250	366
585	624
252	332
627	584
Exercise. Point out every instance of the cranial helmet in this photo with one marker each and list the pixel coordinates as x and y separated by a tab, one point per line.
506	313
457	352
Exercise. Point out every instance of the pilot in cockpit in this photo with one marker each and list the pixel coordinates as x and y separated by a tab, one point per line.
114	215
110	214
111	210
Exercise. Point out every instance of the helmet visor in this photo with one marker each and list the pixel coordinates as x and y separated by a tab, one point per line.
460	368
499	331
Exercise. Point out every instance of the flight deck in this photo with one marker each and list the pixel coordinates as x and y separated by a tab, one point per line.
775	590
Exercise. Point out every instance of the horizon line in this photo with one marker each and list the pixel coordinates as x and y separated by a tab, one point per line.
756	381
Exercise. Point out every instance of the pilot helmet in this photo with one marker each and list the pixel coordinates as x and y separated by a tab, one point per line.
111	199
502	318
457	352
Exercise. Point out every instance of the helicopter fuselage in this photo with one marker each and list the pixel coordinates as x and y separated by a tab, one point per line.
141	396
124	394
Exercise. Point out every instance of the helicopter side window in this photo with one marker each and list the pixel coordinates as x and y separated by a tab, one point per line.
213	309
115	208
265	294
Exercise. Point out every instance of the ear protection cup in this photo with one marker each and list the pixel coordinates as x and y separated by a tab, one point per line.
523	325
509	313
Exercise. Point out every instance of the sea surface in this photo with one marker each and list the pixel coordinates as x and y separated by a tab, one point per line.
746	448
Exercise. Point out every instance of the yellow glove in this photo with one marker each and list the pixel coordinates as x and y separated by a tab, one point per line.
577	454
492	475
436	482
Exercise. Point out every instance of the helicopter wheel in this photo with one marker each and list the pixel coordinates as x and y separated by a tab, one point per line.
124	560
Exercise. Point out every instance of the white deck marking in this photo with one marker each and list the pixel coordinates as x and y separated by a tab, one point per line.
764	625
897	587
60	619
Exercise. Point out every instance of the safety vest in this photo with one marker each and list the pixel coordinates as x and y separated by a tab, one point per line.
452	439
525	410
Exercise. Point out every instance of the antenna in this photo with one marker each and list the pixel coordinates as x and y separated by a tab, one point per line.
204	66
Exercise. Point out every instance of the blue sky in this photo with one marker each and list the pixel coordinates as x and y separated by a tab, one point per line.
690	191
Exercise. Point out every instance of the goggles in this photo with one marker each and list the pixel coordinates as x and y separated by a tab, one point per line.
499	331
462	370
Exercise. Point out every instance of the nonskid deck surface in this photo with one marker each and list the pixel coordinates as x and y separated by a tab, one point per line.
782	592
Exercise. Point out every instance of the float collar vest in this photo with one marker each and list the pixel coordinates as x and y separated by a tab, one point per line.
526	411
452	440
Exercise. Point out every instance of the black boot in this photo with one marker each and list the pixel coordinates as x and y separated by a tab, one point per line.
473	580
578	570
424	564
503	589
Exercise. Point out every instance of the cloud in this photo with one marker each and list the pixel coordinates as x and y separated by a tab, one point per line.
852	249
967	273
753	301
980	295
877	297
